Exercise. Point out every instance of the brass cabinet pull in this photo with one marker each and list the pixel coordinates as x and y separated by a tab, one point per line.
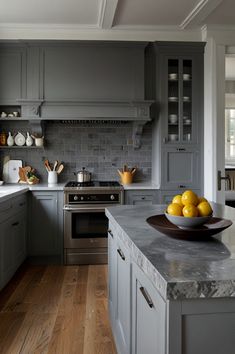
146	296
181	149
121	254
181	186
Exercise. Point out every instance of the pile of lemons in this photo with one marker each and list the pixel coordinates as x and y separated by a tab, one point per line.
189	205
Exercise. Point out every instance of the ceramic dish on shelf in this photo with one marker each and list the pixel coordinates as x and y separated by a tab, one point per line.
173	99
173	137
173	76
186	77
173	118
200	233
19	139
186	99
187	121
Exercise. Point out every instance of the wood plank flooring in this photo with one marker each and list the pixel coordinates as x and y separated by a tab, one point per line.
56	310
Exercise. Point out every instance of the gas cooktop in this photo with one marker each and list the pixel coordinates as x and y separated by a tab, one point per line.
93	184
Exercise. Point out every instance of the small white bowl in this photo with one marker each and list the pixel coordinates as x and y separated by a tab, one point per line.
173	118
187	223
173	137
1	183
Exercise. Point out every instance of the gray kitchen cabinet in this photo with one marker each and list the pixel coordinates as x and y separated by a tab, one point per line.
167	196
141	197
148	316
112	270
180	168
174	78
119	293
13	236
12	74
46	224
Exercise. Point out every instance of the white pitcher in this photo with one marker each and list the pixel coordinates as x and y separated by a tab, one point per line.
10	140
29	140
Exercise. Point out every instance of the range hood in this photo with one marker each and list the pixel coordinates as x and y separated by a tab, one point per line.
138	112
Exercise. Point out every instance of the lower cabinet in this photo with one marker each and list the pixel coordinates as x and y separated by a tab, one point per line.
119	294
46	223
13	239
141	197
148	316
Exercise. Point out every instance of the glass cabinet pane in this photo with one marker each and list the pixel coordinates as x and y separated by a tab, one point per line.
187	100
173	100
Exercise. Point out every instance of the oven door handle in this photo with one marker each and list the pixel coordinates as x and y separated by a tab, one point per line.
83	210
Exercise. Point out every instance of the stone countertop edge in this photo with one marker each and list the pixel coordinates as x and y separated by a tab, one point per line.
173	290
141	185
139	258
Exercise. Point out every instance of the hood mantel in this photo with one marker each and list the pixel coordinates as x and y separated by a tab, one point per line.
137	112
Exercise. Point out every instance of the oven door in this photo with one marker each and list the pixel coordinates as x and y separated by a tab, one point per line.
85	227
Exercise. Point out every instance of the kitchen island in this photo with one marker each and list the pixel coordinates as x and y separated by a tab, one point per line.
168	295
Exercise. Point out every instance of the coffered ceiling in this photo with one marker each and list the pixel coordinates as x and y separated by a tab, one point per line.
109	17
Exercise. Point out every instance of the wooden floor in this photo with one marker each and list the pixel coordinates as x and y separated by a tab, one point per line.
56	309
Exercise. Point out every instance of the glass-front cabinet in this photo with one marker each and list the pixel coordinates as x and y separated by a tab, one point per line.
179	101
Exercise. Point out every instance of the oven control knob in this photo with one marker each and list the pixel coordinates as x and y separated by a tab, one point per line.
75	197
112	197
82	198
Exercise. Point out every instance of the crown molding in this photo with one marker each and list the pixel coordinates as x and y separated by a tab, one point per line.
200	12
223	35
32	31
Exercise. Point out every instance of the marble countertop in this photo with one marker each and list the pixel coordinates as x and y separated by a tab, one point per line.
11	190
179	269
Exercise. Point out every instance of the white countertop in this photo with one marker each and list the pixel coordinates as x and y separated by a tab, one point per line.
12	190
140	185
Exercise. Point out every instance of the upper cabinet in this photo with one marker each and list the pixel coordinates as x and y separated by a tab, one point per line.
12	74
174	79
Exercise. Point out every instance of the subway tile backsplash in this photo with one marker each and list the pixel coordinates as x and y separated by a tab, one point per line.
100	147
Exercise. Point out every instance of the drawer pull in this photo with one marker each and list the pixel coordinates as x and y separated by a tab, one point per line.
181	149
182	186
15	223
21	204
110	232
146	296
121	254
143	198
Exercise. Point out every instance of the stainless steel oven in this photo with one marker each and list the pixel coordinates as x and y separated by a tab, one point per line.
85	223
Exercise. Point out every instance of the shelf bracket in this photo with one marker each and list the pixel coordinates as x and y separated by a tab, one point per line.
137	130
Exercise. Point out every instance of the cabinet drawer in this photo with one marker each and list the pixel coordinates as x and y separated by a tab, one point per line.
140	197
6	210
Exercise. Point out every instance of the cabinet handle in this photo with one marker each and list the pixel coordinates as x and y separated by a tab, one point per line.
15	223
143	198
181	186
121	254
181	149
110	232
146	296
21	204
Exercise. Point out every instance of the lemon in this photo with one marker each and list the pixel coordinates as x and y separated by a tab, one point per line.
189	197
174	209
177	199
204	209
190	211
201	199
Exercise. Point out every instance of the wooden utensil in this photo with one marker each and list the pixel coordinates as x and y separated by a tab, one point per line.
60	168
47	165
55	165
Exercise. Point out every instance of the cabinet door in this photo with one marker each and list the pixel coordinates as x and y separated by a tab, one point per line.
12	74
122	307
112	271
43	237
7	259
148	327
180	168
19	233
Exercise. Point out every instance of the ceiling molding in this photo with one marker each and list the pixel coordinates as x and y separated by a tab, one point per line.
222	35
200	12
107	13
13	31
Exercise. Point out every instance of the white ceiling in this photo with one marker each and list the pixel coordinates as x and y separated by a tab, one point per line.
22	18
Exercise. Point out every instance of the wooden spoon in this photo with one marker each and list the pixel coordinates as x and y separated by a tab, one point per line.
55	165
60	169
47	165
